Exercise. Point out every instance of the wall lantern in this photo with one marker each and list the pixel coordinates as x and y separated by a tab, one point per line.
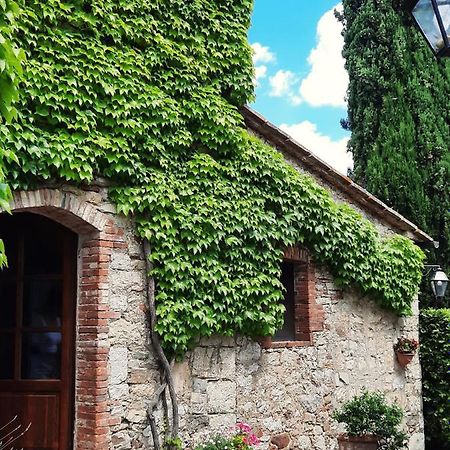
439	283
433	19
438	280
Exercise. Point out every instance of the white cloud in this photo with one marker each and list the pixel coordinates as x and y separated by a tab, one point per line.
332	152
327	81
262	54
281	86
260	72
281	83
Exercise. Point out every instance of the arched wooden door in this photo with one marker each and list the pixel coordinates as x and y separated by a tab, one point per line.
37	326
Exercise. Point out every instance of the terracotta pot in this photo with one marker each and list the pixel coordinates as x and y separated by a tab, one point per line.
366	442
404	358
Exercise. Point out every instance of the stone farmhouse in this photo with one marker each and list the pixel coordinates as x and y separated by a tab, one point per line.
89	389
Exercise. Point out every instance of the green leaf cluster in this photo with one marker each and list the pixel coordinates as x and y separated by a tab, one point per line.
435	359
146	93
10	73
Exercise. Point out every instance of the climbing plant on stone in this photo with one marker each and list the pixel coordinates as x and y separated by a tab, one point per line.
10	72
146	94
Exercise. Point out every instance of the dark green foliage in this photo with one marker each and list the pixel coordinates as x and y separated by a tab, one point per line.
399	115
435	357
145	93
10	60
10	72
370	414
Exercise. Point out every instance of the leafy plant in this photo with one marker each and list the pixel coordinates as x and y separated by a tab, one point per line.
173	444
146	94
241	437
435	360
370	414
406	345
10	73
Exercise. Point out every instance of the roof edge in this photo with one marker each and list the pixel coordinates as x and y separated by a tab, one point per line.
314	164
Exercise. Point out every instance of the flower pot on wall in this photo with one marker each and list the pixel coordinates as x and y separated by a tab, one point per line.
367	442
404	358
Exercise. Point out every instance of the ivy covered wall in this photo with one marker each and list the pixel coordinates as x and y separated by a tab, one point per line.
146	93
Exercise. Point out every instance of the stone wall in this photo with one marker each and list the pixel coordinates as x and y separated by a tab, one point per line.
286	394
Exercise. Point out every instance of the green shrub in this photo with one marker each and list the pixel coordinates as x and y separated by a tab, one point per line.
369	413
435	359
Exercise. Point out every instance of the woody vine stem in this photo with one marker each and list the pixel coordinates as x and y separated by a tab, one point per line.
167	382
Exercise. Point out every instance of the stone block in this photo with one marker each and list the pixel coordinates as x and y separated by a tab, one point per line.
281	440
118	362
120	261
199	403
416	441
221	422
119	391
140	376
118	301
121	441
319	443
272	425
221	396
249	353
211	362
304	443
199	385
137	414
218	341
182	377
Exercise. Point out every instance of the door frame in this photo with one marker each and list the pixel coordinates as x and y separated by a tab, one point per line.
98	235
65	384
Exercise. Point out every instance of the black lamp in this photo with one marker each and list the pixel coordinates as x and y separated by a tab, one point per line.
439	283
433	19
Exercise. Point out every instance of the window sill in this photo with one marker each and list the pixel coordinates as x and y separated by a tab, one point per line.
267	343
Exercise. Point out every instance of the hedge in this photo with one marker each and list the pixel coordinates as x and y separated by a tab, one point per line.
435	358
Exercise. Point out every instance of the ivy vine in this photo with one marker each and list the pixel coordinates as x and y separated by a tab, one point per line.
146	93
10	73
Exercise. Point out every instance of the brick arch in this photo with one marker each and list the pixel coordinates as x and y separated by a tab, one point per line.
98	237
65	208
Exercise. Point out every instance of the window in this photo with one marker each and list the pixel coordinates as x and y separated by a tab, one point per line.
287	332
303	315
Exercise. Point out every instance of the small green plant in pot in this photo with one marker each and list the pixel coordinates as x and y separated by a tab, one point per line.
405	349
370	423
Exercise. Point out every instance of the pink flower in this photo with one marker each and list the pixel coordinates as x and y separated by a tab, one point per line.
245	427
252	439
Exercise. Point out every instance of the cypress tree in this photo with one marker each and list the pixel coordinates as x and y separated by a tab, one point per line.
399	115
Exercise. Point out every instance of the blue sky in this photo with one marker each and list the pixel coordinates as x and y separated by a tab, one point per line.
301	81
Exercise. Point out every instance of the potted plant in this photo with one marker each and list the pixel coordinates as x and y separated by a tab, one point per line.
405	349
370	423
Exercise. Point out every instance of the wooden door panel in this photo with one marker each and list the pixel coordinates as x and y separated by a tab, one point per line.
38	295
41	410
